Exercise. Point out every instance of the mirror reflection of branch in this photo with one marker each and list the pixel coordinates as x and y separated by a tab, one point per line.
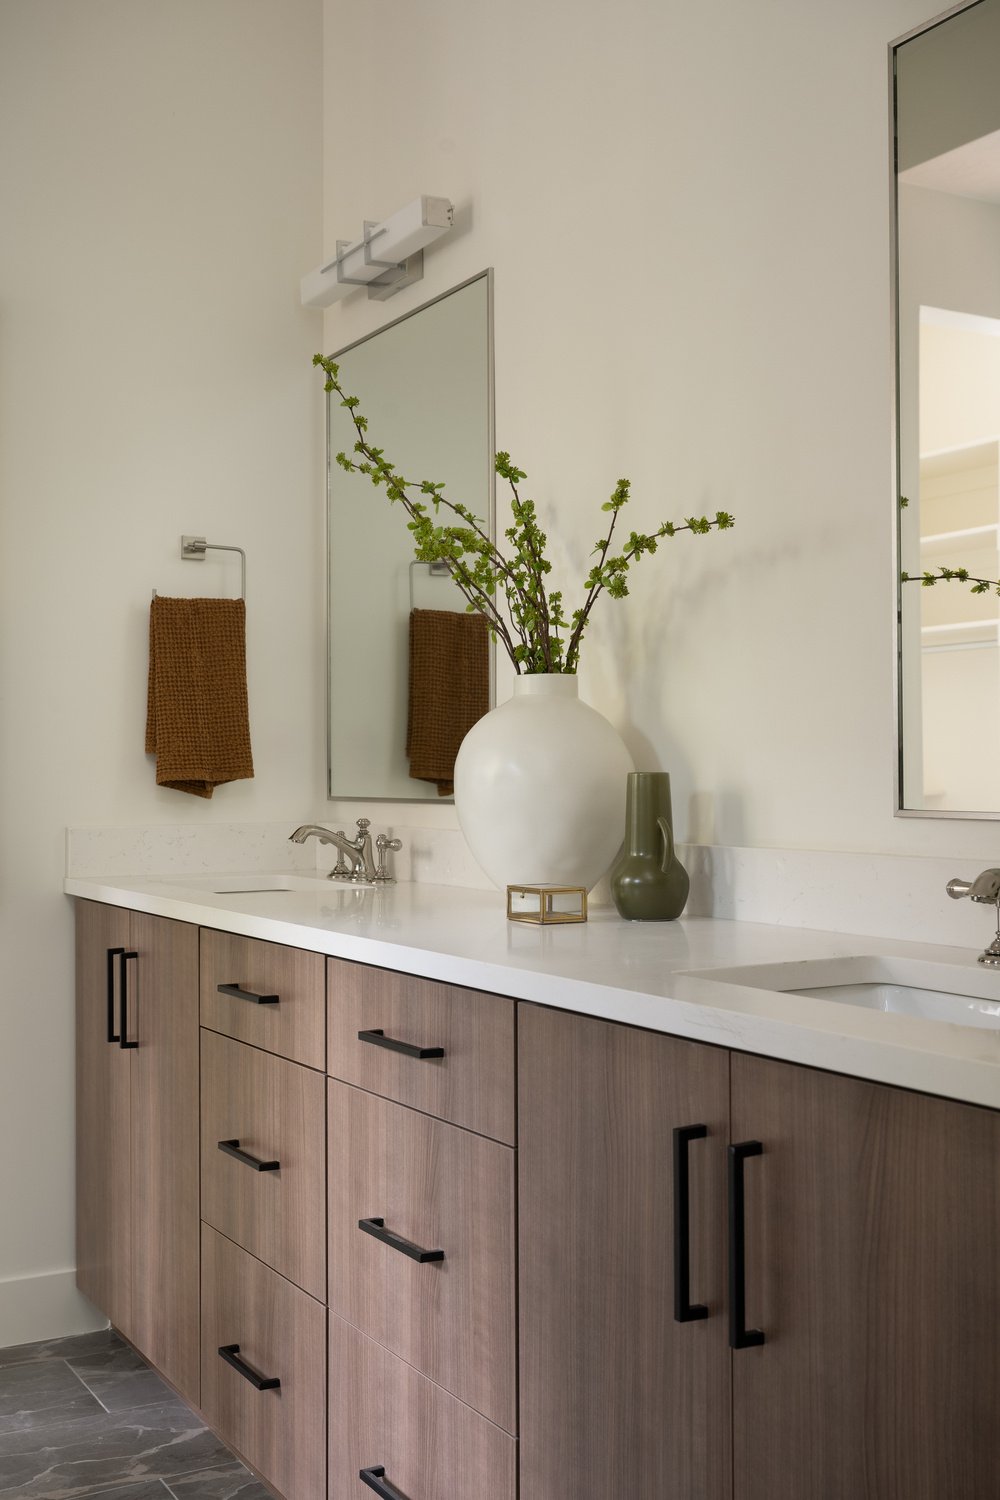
927	579
530	623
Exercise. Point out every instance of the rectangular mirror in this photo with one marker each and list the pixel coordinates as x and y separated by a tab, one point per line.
425	383
946	111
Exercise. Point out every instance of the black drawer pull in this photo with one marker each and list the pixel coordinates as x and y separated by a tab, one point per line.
241	994
375	1479
113	953
123	961
229	1353
376	1228
232	1148
379	1039
740	1336
685	1311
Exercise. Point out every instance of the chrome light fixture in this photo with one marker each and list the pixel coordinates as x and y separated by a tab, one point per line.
389	255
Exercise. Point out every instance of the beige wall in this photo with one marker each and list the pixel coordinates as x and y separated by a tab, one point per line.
160	180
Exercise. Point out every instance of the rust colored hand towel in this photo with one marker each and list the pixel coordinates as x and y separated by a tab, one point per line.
197	717
449	690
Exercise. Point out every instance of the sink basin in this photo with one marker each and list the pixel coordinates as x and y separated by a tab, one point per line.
259	883
965	996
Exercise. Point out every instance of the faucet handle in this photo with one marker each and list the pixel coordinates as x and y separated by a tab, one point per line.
384	844
958	888
363	826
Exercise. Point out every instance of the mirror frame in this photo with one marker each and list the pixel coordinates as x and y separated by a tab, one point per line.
487	274
899	810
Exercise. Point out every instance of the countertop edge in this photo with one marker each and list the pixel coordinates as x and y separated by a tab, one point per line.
940	1059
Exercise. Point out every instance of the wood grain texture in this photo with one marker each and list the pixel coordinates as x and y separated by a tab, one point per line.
103	1123
440	1188
281	1332
296	1026
276	1109
873	1241
472	1085
431	1445
163	1016
616	1398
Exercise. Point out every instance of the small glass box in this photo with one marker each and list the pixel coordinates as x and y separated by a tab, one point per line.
545	904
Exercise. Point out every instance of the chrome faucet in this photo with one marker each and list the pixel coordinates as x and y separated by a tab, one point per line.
986	889
358	850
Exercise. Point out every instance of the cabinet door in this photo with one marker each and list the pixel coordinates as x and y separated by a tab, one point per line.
423	1187
163	1020
872	1244
616	1397
103	1116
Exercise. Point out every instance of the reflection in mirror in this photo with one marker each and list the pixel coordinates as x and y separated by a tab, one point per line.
425	383
947	118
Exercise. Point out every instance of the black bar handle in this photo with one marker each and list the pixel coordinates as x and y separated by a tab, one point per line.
379	1039
375	1479
232	1148
123	959
685	1311
230	1353
376	1228
239	993
113	953
740	1336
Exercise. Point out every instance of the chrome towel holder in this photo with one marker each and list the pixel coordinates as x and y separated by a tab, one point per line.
193	549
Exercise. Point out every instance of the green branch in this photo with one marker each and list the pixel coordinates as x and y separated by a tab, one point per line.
531	631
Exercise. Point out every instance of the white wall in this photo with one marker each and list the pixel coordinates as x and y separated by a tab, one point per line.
687	208
160	171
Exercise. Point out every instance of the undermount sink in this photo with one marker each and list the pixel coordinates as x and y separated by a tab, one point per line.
259	883
904	986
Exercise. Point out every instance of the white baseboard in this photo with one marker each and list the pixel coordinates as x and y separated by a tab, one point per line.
47	1306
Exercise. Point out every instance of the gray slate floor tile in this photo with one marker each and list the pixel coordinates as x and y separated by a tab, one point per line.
122	1390
231	1482
79	1344
153	1489
38	1393
62	1462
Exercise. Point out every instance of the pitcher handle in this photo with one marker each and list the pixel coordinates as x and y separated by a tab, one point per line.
668	844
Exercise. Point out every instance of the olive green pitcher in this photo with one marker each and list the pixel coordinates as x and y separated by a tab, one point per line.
648	882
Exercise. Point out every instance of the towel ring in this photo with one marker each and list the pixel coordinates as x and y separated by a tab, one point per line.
193	549
437	569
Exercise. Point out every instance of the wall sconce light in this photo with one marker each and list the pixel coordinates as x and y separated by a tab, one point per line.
389	255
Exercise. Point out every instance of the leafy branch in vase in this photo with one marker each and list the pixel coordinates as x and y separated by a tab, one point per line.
510	590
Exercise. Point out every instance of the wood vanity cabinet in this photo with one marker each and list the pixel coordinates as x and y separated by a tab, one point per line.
505	1250
871	1235
137	1131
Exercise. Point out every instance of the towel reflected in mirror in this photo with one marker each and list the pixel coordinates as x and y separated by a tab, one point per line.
449	690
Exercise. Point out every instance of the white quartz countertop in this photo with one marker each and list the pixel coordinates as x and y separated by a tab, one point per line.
633	972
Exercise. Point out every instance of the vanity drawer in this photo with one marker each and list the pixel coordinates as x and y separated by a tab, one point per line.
384	1414
273	1111
281	1335
472	1084
436	1188
288	1014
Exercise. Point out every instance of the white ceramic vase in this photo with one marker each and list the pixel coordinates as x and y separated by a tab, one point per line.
540	787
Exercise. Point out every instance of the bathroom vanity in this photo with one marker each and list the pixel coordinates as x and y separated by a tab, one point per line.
487	1210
